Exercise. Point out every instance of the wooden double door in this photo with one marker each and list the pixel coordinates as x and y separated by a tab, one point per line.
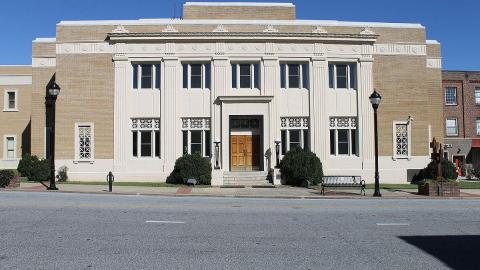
245	152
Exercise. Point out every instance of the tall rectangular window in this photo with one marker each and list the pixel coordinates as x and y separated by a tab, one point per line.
451	96
245	76
196	136
451	127
10	147
146	137
294	75
196	75
84	142
10	103
146	76
342	75
478	126
477	95
343	136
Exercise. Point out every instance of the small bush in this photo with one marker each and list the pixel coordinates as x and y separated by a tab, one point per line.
62	174
5	177
34	169
191	166
299	166
448	170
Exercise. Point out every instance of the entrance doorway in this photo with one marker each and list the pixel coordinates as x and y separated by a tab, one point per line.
245	143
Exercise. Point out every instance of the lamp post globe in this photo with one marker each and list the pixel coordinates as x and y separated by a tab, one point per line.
53	92
375	99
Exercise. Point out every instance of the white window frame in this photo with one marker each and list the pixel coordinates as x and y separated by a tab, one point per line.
6	107
456	126
77	142
139	75
206	126
394	140
349	87
189	75
152	131
445	96
252	75
352	125
5	147
300	84
288	124
477	95
477	124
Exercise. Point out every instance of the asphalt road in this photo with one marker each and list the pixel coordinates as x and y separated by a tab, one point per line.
81	231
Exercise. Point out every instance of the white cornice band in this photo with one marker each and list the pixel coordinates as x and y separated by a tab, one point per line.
15	79
44	62
399	49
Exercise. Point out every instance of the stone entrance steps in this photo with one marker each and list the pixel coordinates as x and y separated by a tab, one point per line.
246	179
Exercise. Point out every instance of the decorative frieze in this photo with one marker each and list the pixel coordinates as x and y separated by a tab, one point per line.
434	63
145	123
294	122
195	123
258	47
399	49
44	62
343	122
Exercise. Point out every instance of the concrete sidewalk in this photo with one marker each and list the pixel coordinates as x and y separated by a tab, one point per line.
248	192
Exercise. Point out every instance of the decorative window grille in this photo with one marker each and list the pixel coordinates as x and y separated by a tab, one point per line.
451	96
401	140
294	133
146	137
294	122
85	142
343	136
196	136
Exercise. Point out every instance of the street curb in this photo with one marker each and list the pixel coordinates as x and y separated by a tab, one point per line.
249	196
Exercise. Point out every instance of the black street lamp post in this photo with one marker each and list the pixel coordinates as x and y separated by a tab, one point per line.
375	99
53	92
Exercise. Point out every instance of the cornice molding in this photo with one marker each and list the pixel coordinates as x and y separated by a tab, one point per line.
399	49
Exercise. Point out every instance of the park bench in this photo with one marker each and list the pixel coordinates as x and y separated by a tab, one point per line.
343	182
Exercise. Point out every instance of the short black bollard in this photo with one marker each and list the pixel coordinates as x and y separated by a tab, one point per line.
110	179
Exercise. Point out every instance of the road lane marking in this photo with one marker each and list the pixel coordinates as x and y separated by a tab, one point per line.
165	221
393	224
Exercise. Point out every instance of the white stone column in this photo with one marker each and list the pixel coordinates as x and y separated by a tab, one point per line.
171	131
120	121
319	117
270	87
221	82
365	112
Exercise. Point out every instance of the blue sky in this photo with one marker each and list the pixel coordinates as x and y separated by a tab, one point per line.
456	24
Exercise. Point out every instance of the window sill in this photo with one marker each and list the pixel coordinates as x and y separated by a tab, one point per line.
11	110
145	89
83	161
196	89
293	89
451	105
395	158
343	89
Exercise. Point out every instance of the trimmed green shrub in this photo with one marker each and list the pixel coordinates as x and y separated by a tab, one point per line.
191	166
34	169
5	177
300	167
448	170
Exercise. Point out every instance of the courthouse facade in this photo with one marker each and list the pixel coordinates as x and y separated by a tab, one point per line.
230	81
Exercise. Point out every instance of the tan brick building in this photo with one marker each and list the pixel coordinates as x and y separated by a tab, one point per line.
228	80
461	104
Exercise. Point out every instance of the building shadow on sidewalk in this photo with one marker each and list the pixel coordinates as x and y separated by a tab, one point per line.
456	251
